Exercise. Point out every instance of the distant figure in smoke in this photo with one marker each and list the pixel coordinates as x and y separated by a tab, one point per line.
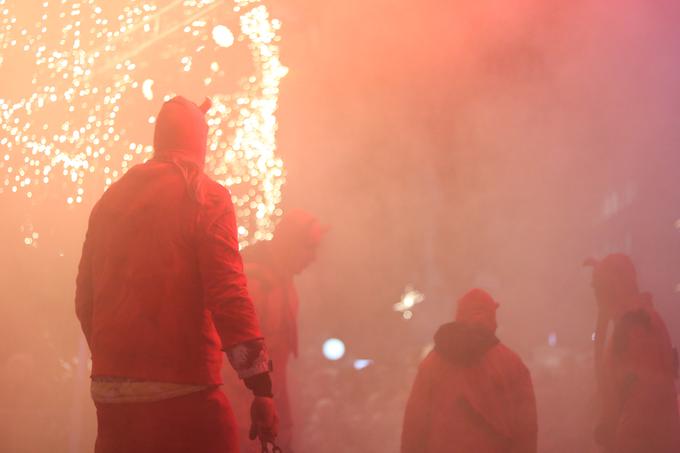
471	393
271	267
161	294
636	367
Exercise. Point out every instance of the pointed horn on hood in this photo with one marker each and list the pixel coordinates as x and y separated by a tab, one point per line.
205	106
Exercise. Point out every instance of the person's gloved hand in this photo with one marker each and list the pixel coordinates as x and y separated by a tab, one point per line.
264	419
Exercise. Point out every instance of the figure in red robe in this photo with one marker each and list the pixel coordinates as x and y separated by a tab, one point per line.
636	366
271	267
161	295
471	393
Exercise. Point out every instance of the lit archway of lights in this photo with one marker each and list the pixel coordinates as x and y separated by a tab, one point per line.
82	83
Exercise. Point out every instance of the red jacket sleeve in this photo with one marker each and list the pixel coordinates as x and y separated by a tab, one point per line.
225	290
84	294
627	375
526	428
417	416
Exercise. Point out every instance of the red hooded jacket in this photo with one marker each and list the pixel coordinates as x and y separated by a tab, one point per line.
471	394
640	403
160	288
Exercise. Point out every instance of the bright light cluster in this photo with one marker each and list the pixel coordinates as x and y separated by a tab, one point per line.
409	299
81	81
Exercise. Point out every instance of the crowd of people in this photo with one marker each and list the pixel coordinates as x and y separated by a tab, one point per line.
163	292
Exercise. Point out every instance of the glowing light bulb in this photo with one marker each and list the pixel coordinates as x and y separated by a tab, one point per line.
223	36
147	89
333	349
409	299
360	364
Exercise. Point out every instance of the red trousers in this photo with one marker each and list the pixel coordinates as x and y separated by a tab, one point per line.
201	422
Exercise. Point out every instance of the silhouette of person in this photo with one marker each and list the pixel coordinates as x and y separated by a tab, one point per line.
271	267
636	366
471	393
161	294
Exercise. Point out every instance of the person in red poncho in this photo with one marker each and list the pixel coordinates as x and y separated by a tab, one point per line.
271	267
471	393
161	294
636	366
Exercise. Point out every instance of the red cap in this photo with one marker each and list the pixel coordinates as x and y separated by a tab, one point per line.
477	307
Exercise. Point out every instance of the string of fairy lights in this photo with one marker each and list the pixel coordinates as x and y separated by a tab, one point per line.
86	76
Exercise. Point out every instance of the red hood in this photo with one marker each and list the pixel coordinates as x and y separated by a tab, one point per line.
463	344
181	131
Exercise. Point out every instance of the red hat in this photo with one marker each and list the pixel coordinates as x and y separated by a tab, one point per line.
302	226
616	269
477	307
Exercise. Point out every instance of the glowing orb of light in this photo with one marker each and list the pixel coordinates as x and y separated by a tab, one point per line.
333	349
409	299
147	89
360	364
552	339
223	36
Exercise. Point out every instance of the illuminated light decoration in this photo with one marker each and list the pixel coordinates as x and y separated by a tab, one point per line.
79	117
333	349
223	36
409	299
147	89
361	364
31	236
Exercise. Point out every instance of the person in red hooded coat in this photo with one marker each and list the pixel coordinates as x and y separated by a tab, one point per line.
161	294
636	365
471	393
271	267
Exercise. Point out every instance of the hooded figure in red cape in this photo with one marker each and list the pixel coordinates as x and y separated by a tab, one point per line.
271	267
161	295
471	393
636	366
